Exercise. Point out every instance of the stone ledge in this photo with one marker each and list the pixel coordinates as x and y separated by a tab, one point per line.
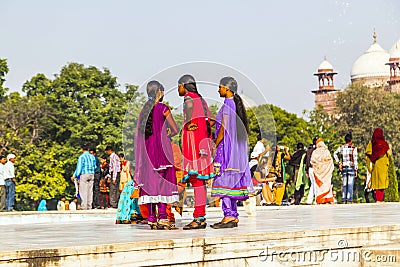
196	251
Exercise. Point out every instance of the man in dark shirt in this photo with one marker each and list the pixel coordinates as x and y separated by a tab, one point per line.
310	171
96	183
295	162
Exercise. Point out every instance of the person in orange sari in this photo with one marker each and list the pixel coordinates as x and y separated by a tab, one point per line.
178	159
322	164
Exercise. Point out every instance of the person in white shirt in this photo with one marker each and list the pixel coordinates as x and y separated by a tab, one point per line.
9	178
260	149
3	160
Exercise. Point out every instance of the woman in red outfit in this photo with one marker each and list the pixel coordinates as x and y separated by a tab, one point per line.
196	147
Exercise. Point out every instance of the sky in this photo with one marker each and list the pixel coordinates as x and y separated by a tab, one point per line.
278	45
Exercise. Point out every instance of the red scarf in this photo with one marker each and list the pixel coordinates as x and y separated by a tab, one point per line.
379	145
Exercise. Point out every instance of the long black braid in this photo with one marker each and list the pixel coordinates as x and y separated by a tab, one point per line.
242	121
146	117
189	83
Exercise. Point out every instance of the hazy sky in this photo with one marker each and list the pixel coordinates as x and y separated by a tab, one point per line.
278	44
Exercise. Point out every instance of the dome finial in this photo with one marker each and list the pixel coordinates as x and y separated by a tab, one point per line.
374	36
325	57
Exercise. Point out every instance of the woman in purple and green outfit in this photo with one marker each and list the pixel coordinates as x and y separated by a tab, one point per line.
231	161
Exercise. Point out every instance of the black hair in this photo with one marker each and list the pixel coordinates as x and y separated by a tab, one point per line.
121	155
314	141
146	116
242	121
85	147
300	146
348	138
2	157
109	148
103	157
189	84
93	149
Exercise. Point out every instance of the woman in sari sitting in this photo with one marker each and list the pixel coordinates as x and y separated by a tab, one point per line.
128	209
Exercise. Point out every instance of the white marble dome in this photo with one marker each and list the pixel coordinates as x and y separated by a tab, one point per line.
371	64
325	65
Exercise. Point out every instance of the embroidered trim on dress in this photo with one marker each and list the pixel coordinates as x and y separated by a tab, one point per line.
158	199
163	167
199	176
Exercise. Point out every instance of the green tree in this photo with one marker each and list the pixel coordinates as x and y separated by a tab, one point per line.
278	125
3	72
24	121
87	107
392	192
362	109
40	175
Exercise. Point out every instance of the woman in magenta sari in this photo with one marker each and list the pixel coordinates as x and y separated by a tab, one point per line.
154	172
231	130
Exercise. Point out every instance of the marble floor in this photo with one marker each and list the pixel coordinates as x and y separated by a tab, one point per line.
103	230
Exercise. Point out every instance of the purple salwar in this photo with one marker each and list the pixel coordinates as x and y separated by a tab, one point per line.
229	207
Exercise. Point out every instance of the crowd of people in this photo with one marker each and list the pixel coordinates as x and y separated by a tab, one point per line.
7	183
220	161
163	169
312	170
98	181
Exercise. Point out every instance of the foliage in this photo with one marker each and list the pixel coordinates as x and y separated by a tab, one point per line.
278	126
362	109
89	106
46	127
3	72
40	175
24	121
392	192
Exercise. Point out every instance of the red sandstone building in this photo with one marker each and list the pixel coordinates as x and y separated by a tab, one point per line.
325	96
375	68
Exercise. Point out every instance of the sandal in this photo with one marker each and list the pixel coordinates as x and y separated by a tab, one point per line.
144	221
166	225
153	226
196	224
226	224
221	225
136	218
